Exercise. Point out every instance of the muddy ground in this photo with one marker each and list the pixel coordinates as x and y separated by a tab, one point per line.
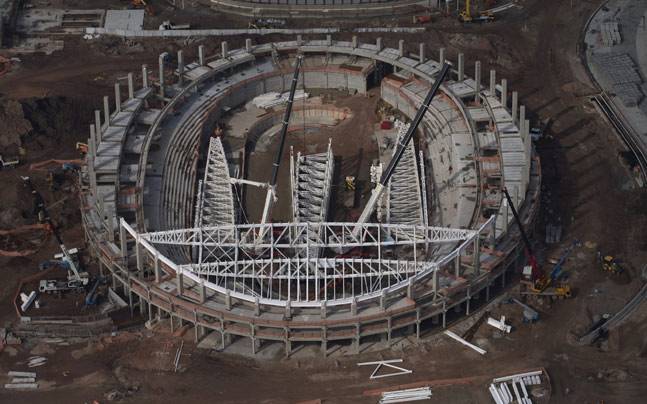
587	187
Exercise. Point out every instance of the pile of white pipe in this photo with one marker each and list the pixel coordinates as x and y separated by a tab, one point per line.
36	361
21	380
401	396
516	392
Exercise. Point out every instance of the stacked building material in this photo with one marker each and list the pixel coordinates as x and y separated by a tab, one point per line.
503	394
401	396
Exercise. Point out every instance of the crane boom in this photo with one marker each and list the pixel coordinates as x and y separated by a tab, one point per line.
531	257
402	145
270	197
40	202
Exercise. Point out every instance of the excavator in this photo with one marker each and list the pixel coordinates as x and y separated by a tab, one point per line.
466	16
540	283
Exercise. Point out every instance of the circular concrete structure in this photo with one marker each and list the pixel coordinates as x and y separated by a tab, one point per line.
160	213
321	8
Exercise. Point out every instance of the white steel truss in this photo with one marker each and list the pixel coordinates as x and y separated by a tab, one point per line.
404	202
217	198
215	203
268	269
311	179
290	235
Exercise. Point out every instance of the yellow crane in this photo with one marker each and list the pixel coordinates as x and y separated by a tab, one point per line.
465	16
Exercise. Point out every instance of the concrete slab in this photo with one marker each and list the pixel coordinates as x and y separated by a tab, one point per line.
131	20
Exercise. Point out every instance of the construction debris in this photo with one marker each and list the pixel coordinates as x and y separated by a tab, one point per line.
36	361
462	341
401	396
500	324
27	300
387	363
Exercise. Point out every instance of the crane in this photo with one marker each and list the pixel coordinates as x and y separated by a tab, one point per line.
75	278
270	196
402	145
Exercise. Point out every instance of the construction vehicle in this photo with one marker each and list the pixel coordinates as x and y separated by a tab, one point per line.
610	264
76	280
350	183
466	16
536	279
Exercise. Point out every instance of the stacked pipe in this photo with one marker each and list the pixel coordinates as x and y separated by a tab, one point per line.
515	393
401	396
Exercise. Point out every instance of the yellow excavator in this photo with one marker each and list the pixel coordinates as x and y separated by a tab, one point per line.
466	15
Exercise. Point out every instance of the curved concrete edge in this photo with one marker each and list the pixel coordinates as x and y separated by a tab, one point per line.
364	10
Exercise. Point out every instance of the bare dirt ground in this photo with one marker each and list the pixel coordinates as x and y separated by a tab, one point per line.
586	185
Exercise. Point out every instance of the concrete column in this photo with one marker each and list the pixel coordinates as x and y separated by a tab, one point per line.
477	80
117	97
299	39
378	43
288	309
383	300
224	47
144	76
323	309
353	307
122	243
522	118
228	300
248	45
504	93
515	101
354	41
201	55
161	75
401	47
131	87
457	264
202	291
461	67
92	146
106	110
441	56
324	342
156	264
97	126
138	255
410	289
329	40
180	66
477	254
257	306
421	52
493	82
179	277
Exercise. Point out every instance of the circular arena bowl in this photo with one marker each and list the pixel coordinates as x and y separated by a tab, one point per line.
176	179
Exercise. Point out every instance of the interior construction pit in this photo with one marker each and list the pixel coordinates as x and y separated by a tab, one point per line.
182	212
